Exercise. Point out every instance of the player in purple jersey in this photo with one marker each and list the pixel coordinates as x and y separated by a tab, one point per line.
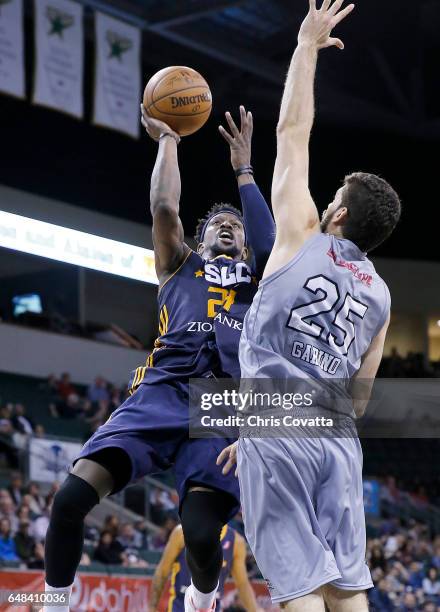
173	566
203	298
321	312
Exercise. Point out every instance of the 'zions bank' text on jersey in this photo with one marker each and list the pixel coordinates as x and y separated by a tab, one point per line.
315	317
201	311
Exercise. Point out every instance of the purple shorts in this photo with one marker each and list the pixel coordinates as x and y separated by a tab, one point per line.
151	426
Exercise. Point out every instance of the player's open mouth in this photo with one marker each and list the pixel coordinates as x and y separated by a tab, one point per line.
226	236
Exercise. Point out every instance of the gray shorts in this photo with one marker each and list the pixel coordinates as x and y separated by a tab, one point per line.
303	511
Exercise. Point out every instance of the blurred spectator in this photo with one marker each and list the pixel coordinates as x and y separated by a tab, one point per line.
21	422
7	445
40	525
15	488
65	387
36	501
39	431
431	584
7	509
409	603
8	551
159	539
37	559
95	413
98	391
111	524
162	505
24	542
109	550
129	538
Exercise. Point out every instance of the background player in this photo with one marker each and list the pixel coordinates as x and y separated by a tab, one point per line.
173	564
320	302
149	432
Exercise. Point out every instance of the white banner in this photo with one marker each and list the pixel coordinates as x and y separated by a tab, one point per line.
77	248
49	460
117	80
11	48
59	55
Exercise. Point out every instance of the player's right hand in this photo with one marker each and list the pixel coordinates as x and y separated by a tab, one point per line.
228	454
156	128
319	23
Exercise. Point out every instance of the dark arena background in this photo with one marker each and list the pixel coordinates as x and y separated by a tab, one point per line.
72	327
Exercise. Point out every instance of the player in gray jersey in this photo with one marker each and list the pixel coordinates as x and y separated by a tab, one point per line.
321	313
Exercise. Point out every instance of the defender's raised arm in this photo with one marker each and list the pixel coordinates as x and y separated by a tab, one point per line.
295	213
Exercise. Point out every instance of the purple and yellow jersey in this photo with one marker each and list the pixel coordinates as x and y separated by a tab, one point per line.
201	311
181	577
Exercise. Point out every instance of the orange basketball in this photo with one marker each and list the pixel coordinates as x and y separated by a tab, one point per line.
180	97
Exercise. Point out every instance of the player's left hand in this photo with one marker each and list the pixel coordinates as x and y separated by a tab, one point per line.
230	454
240	141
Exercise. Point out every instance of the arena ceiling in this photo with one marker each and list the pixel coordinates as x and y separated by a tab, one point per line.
387	75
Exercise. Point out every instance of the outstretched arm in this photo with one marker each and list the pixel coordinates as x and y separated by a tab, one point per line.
295	212
239	574
258	220
168	236
172	550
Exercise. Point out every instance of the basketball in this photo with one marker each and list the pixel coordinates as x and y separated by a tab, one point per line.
180	97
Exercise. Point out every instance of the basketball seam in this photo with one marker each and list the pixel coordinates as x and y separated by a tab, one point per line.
175	92
208	110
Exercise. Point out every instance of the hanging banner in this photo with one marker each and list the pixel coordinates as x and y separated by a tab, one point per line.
11	48
117	78
59	41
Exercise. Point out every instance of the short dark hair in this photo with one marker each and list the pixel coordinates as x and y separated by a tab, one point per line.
212	212
374	210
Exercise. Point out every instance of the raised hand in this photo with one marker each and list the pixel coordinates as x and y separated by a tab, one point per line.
318	25
240	141
156	128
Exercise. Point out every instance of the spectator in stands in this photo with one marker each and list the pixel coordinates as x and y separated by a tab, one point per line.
95	413
111	524
39	431
409	603
24	542
109	550
129	538
65	387
16	488
162	505
98	391
7	509
40	525
431	584
159	539
70	408
37	502
115	399
8	551
7	446
21	422
37	559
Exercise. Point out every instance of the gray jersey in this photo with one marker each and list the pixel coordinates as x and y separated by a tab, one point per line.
316	316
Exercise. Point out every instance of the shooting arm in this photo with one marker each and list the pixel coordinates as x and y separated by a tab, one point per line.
172	550
168	235
239	574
